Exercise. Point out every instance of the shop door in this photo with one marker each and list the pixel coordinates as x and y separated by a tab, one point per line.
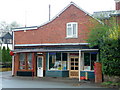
39	66
74	64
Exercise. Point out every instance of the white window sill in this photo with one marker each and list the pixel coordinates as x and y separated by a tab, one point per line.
71	37
88	70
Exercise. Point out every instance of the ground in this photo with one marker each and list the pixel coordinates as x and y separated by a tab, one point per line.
47	82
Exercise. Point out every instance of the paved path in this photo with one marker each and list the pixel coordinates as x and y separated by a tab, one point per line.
27	82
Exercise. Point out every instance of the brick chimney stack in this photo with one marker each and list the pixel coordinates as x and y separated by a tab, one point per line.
117	4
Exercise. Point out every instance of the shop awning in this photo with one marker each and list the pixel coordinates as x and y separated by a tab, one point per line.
53	50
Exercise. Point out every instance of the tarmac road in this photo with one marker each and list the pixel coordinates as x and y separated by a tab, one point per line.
27	82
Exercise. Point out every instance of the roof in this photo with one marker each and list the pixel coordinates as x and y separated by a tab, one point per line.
106	14
117	0
25	28
116	13
35	27
4	34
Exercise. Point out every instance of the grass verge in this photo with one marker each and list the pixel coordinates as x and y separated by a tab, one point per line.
111	84
5	69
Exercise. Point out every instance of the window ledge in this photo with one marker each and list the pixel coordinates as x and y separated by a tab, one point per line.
71	37
57	70
88	70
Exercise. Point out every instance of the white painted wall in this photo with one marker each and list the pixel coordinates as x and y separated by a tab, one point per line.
9	45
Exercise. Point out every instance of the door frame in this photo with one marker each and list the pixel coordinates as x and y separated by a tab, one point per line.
42	65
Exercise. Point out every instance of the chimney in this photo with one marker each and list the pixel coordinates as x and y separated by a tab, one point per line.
117	4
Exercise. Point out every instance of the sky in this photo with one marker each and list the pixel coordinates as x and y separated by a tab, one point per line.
36	12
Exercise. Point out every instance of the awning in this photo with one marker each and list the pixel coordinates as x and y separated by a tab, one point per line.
53	50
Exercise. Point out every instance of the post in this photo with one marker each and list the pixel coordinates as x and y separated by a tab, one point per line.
13	57
79	64
32	65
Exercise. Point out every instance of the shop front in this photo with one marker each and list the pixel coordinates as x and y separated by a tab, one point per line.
72	63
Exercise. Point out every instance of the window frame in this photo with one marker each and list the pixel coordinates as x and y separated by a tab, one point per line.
90	61
26	62
60	60
72	30
24	65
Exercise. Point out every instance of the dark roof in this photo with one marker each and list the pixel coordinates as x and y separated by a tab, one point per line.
6	35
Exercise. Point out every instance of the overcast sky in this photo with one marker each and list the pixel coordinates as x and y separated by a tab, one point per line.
36	12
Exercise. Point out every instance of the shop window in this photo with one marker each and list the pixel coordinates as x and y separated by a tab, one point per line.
29	60
93	59
89	59
22	60
25	61
64	61
52	61
57	61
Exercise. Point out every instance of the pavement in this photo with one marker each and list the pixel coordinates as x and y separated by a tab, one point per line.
7	81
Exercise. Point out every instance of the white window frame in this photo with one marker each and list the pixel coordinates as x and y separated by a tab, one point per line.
71	27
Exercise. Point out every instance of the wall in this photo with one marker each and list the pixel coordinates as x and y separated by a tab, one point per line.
55	31
9	45
118	8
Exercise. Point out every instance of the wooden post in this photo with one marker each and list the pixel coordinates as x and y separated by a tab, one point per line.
32	65
13	65
79	64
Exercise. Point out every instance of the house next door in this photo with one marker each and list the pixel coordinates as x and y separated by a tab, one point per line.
39	66
74	64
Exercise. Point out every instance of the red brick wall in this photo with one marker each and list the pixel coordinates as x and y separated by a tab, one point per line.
16	63
117	5
118	8
55	31
98	72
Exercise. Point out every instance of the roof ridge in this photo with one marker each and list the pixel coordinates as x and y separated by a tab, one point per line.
57	15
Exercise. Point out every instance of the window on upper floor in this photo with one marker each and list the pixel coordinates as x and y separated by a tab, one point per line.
9	41
72	30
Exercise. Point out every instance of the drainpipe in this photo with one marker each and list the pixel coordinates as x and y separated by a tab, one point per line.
79	64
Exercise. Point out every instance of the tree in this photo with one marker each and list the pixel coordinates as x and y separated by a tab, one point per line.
4	59
107	40
9	58
0	54
7	27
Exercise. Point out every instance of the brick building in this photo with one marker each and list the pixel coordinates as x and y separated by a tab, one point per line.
57	48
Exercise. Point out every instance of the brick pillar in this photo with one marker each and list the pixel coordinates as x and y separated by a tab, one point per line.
117	4
98	72
118	8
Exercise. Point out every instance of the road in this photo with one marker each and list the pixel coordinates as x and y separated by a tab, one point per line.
27	82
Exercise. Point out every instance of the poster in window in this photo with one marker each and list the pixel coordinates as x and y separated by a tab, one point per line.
86	68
